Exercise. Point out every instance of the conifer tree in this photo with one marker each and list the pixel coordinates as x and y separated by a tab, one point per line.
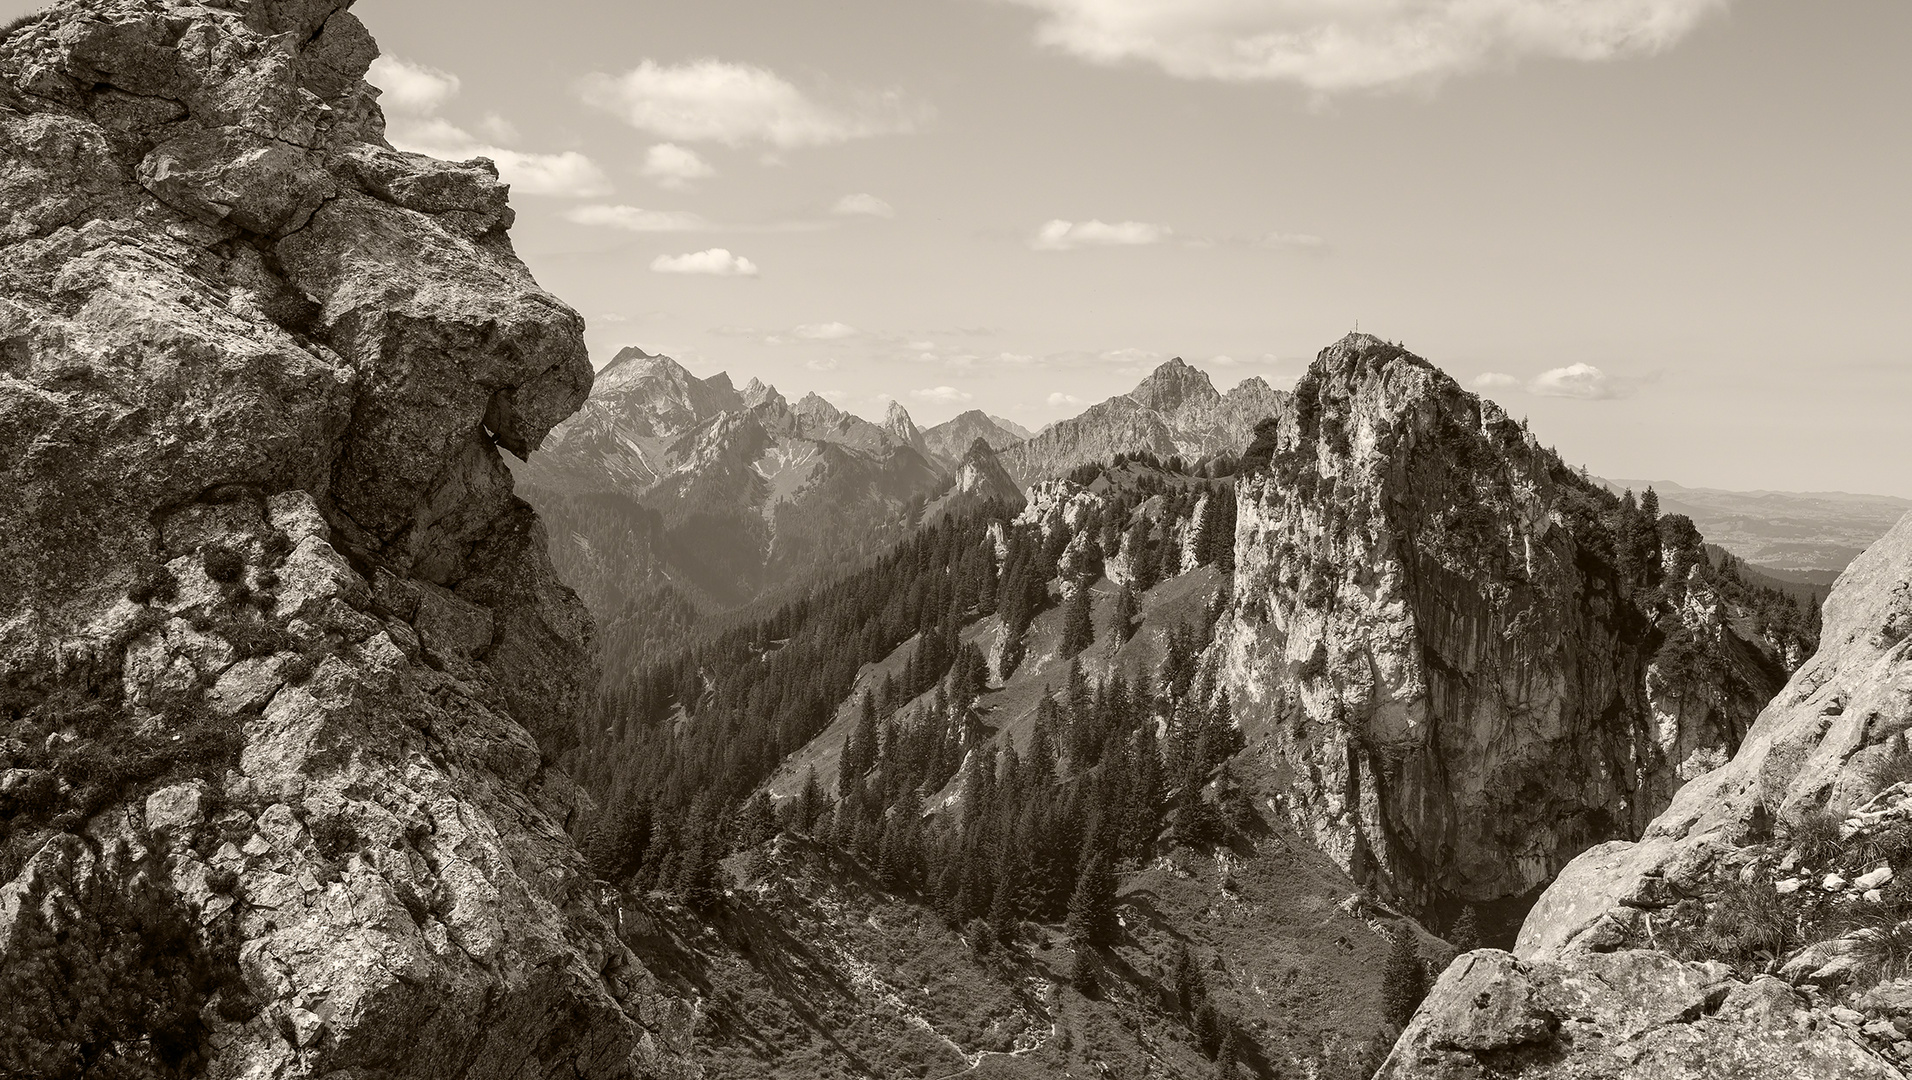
859	750
1403	980
1226	1067
810	802
1126	610
1082	970
1465	936
1078	632
1092	905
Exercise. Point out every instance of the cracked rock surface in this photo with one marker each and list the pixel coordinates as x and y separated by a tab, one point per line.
281	653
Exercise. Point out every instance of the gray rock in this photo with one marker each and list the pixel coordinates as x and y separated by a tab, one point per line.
177	809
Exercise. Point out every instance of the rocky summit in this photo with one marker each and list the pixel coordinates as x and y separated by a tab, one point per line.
278	644
1470	662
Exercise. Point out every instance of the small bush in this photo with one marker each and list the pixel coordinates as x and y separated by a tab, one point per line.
1816	835
1883	951
222	563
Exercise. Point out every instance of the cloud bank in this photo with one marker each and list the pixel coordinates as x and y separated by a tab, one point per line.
861	205
636	219
1060	235
1358	44
671	166
716	261
740	104
413	94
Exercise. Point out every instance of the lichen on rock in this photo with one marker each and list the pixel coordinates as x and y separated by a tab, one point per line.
277	639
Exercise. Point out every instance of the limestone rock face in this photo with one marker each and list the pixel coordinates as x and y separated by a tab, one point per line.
278	644
1830	741
1623	1016
1430	636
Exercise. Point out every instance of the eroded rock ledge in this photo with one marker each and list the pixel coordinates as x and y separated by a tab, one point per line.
278	645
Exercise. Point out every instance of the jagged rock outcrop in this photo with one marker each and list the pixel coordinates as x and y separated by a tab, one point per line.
1831	740
277	642
1462	674
1176	410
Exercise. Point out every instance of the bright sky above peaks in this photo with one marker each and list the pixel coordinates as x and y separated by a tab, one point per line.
1673	233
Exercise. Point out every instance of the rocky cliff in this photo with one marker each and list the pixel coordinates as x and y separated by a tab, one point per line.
1469	663
1827	744
1759	928
277	641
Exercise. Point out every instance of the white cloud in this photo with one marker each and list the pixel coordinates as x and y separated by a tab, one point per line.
673	166
1291	241
614	317
829	331
406	87
634	219
864	206
1060	398
946	394
1358	44
498	129
1493	380
826	363
414	93
738	104
1579	381
1059	235
716	261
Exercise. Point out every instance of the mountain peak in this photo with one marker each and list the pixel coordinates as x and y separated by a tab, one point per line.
1171	385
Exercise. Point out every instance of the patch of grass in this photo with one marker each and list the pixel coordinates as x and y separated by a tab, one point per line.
1815	836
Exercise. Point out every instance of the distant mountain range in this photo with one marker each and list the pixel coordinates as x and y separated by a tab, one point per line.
1801	536
1175	411
721	496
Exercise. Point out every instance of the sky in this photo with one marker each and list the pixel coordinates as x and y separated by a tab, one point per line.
1674	234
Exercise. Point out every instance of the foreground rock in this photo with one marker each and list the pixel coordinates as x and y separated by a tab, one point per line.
1623	1016
278	645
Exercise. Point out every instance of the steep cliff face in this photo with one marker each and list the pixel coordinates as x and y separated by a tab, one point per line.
1827	744
275	634
1458	663
1758	928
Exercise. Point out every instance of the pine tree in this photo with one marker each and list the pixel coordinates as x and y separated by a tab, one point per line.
810	802
859	750
1465	936
1078	632
1082	971
1092	905
1191	989
1403	980
1126	609
1225	1059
